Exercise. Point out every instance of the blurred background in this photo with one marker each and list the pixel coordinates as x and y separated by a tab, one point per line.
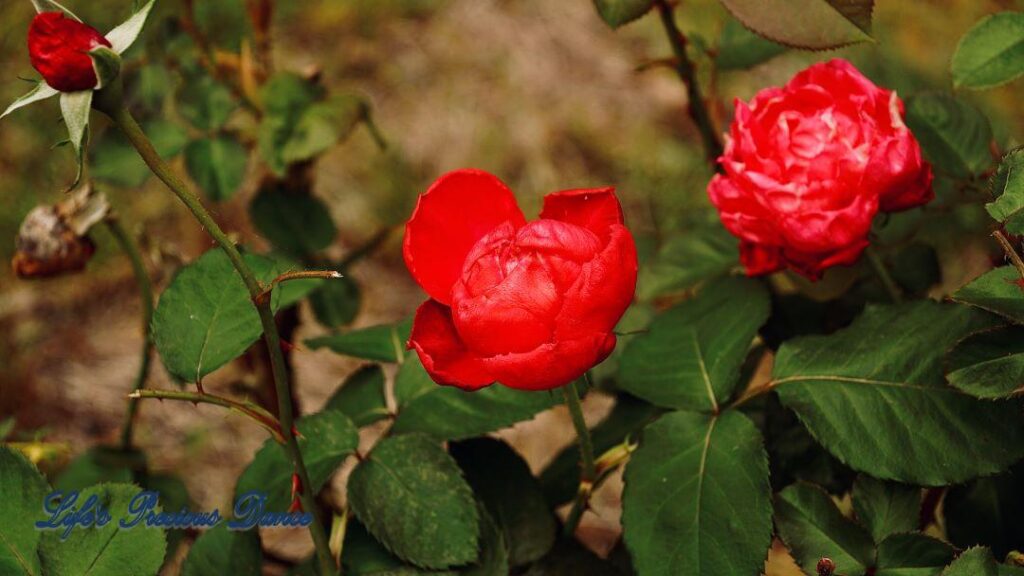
541	93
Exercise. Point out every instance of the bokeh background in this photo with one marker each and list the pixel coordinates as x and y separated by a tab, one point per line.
539	92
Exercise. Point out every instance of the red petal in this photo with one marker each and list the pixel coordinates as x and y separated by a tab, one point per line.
59	49
595	209
450	217
551	365
442	352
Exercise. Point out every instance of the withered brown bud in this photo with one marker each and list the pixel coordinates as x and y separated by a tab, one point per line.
53	240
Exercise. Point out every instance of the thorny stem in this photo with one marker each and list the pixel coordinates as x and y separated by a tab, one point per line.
1011	252
880	269
131	249
298	275
588	468
687	73
124	120
261	416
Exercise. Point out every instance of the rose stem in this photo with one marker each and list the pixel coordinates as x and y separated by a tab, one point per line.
124	120
1011	253
687	73
883	275
261	416
587	466
131	249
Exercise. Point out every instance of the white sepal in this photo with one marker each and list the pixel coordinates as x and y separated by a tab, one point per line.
42	91
122	37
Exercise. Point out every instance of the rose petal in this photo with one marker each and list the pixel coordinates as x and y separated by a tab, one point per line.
595	209
551	365
444	355
459	209
59	47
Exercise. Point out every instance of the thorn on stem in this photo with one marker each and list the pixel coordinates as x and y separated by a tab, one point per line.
826	567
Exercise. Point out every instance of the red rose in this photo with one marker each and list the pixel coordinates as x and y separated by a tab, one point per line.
59	47
529	304
808	166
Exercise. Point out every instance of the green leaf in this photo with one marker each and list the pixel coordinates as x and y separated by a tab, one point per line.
297	224
973	562
683	261
410	494
206	103
325	440
808	24
109	550
451	413
697	499
570	558
100	464
691	355
494	553
740	49
991	53
954	135
22	489
41	92
886	508
384	342
75	108
320	127
813	527
205	318
217	166
219	551
361	397
987	511
1000	291
989	364
616	13
336	304
123	36
362	554
285	98
912	554
115	161
503	482
875	396
1008	188
561	478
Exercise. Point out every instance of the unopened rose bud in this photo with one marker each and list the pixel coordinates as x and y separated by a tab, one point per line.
59	47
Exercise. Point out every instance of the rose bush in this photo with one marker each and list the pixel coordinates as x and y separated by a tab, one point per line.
807	167
529	304
59	48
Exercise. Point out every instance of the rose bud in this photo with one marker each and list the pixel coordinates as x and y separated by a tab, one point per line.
59	47
53	240
531	305
807	166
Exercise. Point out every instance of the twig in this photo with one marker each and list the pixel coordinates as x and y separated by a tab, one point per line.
684	67
261	416
588	468
131	249
1011	252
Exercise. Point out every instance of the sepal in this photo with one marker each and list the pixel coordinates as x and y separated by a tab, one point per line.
53	6
41	92
107	65
123	36
75	107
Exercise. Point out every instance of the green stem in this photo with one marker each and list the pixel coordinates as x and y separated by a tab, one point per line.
588	469
133	132
253	411
880	269
687	73
131	249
